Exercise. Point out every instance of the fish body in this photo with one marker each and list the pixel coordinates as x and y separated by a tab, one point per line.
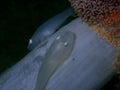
59	51
48	28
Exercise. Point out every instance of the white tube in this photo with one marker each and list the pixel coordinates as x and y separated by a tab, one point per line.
89	66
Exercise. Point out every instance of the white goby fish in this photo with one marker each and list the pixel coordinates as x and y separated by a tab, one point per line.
49	27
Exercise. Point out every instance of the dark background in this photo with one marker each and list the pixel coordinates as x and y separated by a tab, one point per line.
18	21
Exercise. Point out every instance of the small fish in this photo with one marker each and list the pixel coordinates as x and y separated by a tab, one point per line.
48	28
58	52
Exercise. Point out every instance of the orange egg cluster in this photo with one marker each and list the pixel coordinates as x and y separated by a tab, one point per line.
103	16
92	11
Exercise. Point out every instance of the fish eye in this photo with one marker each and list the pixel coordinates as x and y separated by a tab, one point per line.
30	41
58	37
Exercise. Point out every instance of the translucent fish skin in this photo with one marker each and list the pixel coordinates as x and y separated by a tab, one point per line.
59	51
48	28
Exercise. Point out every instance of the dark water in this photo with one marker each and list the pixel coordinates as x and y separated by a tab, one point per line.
18	21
